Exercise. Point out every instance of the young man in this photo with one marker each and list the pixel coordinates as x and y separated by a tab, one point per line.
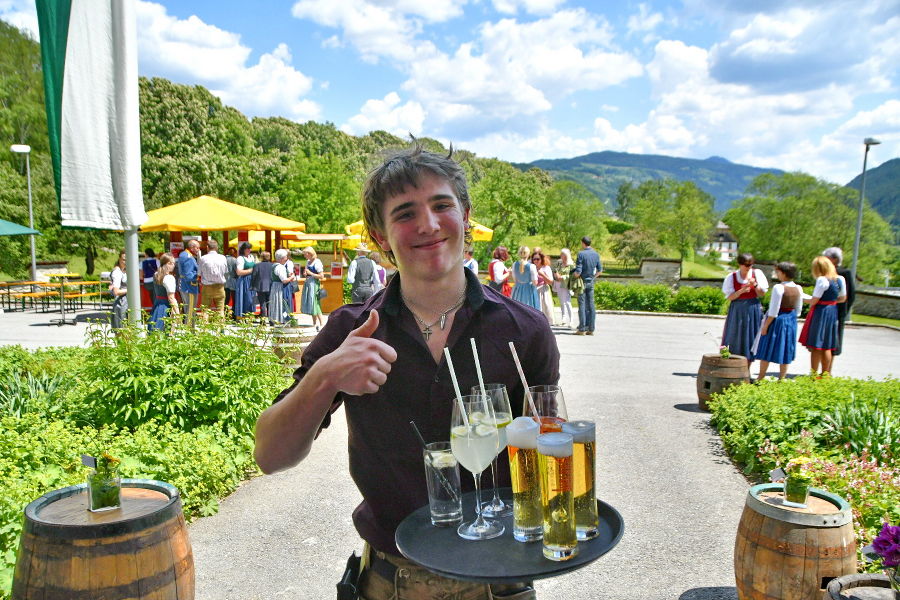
587	267
383	360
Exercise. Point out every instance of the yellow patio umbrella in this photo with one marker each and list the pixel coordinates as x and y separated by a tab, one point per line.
480	233
206	213
289	239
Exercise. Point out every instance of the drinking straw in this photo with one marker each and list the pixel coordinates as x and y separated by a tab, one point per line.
440	475
462	407
478	367
534	411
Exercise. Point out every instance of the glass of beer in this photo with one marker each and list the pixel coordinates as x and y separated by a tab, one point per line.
587	522
550	404
557	502
521	438
503	417
475	440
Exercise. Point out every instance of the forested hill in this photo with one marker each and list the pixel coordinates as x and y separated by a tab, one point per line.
604	172
883	190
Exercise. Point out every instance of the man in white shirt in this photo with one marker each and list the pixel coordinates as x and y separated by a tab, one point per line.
469	262
213	267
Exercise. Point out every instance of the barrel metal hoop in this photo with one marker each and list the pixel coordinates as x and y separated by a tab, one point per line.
841	516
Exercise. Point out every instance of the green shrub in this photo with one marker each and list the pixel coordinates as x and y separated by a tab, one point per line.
63	360
866	429
615	227
195	377
698	301
643	297
20	394
38	455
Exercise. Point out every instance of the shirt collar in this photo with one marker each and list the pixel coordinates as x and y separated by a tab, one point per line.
391	301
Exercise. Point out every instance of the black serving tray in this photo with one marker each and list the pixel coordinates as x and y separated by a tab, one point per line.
502	559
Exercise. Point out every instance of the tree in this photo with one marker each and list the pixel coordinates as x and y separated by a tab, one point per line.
795	216
634	245
626	197
571	212
678	212
321	192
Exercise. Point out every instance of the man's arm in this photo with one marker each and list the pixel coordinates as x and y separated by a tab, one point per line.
351	272
285	431
579	265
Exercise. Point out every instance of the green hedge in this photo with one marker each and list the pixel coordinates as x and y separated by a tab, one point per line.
658	298
176	408
849	428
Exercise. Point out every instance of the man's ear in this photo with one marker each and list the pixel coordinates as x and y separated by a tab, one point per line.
379	239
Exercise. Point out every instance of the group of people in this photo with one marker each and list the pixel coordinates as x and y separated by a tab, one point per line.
533	278
772	338
214	281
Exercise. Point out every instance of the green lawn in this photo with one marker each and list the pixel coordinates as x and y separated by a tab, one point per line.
704	269
875	320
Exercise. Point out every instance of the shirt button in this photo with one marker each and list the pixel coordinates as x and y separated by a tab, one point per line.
437	379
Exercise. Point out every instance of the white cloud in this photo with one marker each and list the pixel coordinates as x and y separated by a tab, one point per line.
193	51
21	14
535	7
387	114
645	21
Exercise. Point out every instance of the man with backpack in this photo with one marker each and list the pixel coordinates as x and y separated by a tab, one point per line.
361	275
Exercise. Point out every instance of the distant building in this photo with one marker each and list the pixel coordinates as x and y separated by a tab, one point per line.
723	242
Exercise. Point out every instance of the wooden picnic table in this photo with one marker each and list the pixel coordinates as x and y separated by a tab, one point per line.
62	320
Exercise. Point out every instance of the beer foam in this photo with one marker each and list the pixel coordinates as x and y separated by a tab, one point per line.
555	444
522	433
583	432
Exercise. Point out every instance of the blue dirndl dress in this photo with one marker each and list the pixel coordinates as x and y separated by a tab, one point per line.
160	308
779	345
820	331
243	296
742	324
309	299
524	290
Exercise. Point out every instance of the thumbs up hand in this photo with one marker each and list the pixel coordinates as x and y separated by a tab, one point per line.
360	365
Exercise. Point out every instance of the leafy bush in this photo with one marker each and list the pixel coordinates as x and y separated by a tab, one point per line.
866	429
618	296
192	378
614	227
45	361
38	455
29	393
699	301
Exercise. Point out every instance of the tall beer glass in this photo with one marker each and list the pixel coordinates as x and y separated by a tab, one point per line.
557	502
551	406
521	438
587	522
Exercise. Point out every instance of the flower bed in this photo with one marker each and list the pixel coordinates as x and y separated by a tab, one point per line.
848	429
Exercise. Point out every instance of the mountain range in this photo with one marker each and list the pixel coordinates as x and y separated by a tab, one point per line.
604	172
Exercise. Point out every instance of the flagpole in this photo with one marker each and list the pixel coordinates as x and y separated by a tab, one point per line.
136	279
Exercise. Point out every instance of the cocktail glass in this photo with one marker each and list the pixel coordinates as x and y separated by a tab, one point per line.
503	417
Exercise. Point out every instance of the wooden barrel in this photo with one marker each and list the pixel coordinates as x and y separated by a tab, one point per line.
786	553
717	373
862	586
289	342
138	551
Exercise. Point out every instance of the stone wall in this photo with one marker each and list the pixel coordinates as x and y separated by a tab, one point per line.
661	270
46	268
877	304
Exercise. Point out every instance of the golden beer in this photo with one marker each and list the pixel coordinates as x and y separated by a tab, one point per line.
587	522
521	436
557	500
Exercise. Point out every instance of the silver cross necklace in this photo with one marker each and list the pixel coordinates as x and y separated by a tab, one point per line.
441	320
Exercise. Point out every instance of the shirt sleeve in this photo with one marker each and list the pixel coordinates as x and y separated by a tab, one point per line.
728	285
842	286
822	284
116	278
169	283
534	277
761	280
775	300
281	272
351	272
496	270
579	264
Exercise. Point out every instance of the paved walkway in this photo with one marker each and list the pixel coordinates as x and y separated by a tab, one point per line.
660	464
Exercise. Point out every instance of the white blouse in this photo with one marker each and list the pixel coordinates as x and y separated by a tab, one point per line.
728	285
822	284
169	283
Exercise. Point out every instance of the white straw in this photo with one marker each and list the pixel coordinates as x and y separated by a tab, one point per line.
478	367
462	407
534	411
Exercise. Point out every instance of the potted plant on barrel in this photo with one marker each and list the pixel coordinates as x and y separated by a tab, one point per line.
103	482
796	482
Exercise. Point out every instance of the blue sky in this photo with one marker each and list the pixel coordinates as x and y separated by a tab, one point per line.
794	84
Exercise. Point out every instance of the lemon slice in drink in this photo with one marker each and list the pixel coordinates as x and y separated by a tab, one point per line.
442	461
483	430
500	420
459	431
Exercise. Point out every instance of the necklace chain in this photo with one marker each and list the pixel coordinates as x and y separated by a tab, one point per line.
442	319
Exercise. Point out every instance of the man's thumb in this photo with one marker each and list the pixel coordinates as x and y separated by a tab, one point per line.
367	328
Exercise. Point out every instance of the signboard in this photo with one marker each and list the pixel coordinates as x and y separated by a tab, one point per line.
337	269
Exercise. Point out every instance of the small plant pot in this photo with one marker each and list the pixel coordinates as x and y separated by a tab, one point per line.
796	491
104	491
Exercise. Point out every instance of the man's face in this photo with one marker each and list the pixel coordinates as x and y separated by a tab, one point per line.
194	249
424	228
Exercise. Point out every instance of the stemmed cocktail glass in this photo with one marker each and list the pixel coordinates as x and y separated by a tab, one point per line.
551	407
475	439
502	417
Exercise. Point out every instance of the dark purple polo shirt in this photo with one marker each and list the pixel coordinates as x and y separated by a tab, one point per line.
385	456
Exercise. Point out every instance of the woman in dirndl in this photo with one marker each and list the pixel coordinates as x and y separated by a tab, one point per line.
243	297
525	277
743	288
164	302
820	331
309	300
777	340
280	310
118	287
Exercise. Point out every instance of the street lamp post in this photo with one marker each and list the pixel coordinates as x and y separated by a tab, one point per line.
859	214
26	150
